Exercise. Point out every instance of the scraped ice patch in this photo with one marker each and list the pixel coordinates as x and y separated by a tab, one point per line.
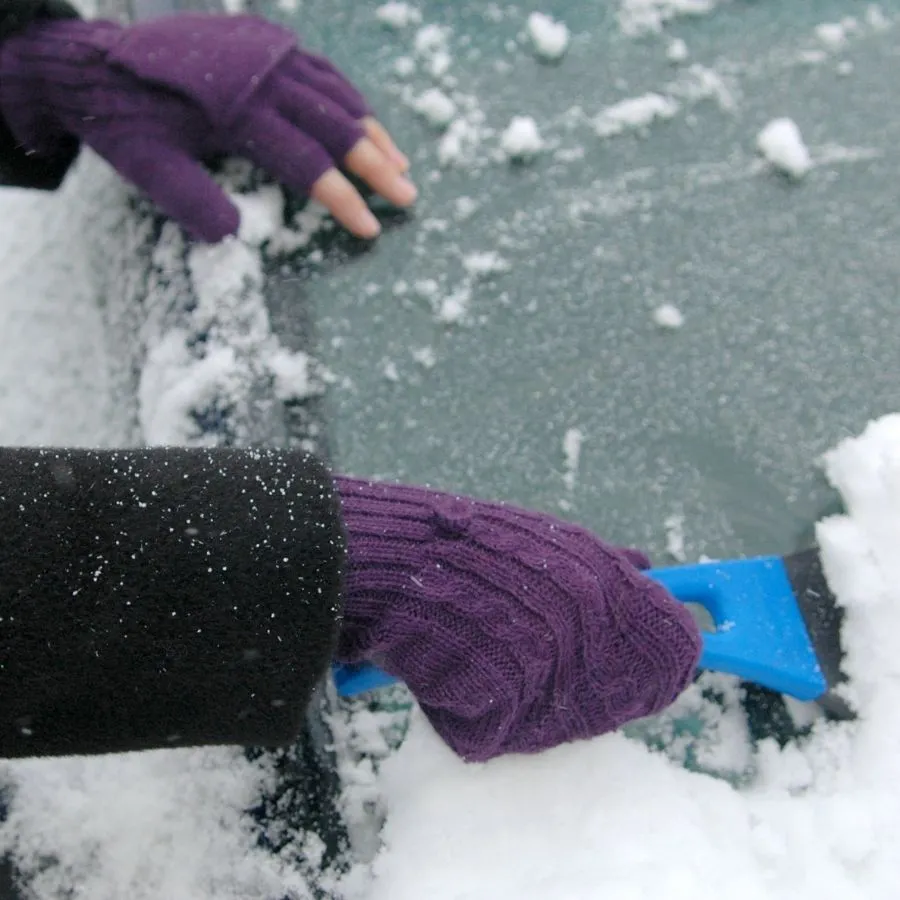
612	818
668	316
781	143
634	113
641	16
572	441
549	37
435	107
521	139
674	526
397	14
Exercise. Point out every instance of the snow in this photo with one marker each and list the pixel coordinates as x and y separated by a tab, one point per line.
521	139
291	374
634	113
706	815
435	107
572	441
668	316
430	39
639	16
397	14
549	37
465	208
815	820
674	526
677	51
453	308
259	213
484	263
425	357
404	66
47	373
834	34
460	144
781	143
430	44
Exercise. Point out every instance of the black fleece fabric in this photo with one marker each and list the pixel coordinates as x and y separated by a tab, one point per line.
18	168
163	597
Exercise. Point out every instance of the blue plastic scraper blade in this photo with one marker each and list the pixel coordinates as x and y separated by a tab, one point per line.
760	632
359	679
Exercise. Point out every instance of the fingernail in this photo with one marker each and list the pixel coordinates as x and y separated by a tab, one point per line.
406	191
401	159
366	225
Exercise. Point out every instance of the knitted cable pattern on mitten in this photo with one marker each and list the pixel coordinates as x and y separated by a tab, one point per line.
515	631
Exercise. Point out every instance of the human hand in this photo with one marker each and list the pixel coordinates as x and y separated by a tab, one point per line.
514	630
157	98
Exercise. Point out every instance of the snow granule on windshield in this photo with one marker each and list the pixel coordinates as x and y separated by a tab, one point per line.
668	316
549	37
639	16
634	113
834	34
521	139
781	143
677	51
483	263
435	107
397	14
572	441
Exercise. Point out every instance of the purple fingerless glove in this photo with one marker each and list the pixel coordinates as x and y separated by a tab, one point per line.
156	98
515	631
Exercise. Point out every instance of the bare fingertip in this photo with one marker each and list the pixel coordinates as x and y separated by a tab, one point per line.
366	225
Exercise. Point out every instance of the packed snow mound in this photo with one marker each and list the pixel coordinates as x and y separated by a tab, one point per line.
612	818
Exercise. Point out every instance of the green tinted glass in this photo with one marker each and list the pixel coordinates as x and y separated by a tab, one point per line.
787	289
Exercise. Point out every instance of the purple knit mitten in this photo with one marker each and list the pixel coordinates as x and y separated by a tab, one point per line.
156	98
515	631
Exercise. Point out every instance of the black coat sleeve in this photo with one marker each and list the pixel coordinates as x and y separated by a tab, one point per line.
163	597
19	168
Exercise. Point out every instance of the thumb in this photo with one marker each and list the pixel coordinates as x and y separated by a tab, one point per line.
178	184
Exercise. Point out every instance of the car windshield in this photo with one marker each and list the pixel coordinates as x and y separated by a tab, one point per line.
608	301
